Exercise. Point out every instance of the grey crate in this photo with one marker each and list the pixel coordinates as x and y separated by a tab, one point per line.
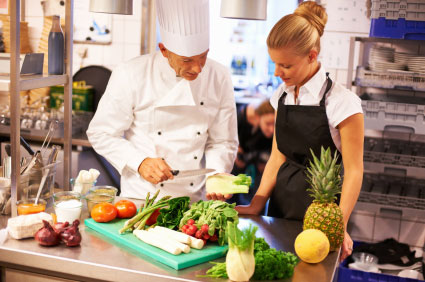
398	191
392	116
390	80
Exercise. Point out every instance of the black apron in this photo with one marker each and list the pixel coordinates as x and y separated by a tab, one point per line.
298	128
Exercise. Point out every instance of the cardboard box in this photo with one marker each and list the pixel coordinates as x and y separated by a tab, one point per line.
82	97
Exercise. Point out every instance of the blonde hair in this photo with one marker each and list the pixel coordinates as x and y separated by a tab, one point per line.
264	108
301	30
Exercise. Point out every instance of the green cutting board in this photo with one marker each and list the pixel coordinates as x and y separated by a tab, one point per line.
110	229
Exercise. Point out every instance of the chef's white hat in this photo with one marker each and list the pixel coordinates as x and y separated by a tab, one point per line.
184	26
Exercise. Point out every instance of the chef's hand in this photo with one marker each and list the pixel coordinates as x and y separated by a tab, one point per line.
218	196
347	247
155	170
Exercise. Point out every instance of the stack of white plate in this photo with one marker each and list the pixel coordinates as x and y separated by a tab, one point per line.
402	57
416	64
382	59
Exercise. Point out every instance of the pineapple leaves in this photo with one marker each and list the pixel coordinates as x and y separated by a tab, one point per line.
323	175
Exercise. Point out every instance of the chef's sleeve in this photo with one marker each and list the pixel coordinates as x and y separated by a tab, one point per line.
222	142
114	115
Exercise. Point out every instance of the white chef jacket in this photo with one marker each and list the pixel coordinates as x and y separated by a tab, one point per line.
340	103
146	111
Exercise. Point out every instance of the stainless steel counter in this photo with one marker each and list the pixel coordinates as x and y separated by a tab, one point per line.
101	258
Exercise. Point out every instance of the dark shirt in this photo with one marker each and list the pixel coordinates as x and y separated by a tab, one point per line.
252	141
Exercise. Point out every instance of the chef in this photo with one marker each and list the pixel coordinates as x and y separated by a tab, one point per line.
173	109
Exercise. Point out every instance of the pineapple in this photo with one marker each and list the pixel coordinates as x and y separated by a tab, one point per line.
324	214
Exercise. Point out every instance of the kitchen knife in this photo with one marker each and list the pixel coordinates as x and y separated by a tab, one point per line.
192	172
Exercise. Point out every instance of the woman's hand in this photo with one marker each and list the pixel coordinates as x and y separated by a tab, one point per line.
347	247
246	209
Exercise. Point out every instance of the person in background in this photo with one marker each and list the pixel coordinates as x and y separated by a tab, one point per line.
173	109
312	111
255	132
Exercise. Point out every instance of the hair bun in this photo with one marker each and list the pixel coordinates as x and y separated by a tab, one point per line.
314	13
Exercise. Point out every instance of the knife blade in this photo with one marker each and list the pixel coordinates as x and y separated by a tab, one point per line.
192	172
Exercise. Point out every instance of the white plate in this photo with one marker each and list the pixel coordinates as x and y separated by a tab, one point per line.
397	267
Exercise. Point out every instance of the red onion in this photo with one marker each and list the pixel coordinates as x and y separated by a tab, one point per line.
71	235
46	235
60	227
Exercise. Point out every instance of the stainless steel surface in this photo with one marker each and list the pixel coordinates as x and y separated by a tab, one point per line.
102	258
67	150
124	7
191	172
15	110
244	9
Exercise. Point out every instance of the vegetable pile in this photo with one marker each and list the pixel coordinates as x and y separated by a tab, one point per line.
270	264
138	221
208	220
228	184
170	217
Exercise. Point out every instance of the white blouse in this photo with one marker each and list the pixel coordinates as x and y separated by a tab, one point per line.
340	103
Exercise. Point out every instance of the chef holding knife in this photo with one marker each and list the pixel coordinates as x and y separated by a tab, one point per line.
170	110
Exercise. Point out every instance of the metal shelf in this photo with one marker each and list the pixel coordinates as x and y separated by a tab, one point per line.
15	83
33	81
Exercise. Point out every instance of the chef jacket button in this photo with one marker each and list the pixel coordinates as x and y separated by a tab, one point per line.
199	133
191	184
202	103
162	184
195	157
159	132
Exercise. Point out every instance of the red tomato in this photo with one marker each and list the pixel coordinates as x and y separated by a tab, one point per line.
152	219
104	212
125	208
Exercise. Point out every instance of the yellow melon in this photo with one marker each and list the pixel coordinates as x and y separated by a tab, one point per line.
312	246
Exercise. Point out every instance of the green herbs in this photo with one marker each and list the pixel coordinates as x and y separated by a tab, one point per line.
228	184
170	217
270	264
215	214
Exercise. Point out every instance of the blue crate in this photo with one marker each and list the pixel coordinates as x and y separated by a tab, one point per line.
400	29
346	274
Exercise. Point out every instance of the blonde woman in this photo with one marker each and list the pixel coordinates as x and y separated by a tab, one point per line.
312	111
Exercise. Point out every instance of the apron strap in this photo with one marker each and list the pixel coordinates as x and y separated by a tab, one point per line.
294	163
328	87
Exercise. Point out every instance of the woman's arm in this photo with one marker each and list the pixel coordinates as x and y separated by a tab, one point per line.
351	131
268	181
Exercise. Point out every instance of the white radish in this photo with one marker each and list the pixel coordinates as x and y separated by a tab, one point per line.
196	243
151	239
163	237
176	235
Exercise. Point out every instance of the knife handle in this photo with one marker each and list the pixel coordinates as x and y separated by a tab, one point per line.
175	172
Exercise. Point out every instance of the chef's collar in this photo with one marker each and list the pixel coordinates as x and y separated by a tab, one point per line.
313	86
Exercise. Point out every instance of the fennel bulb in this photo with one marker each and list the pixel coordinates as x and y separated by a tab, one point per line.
228	184
240	260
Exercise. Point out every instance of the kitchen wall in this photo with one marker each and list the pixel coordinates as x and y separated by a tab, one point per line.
126	34
346	18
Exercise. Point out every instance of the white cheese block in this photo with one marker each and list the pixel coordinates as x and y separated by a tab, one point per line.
25	226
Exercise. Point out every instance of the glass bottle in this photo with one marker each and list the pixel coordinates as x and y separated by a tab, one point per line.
56	48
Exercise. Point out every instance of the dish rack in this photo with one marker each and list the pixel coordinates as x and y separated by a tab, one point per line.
391	203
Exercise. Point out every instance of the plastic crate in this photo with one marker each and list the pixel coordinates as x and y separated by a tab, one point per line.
346	274
393	191
400	28
398	14
392	116
390	80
